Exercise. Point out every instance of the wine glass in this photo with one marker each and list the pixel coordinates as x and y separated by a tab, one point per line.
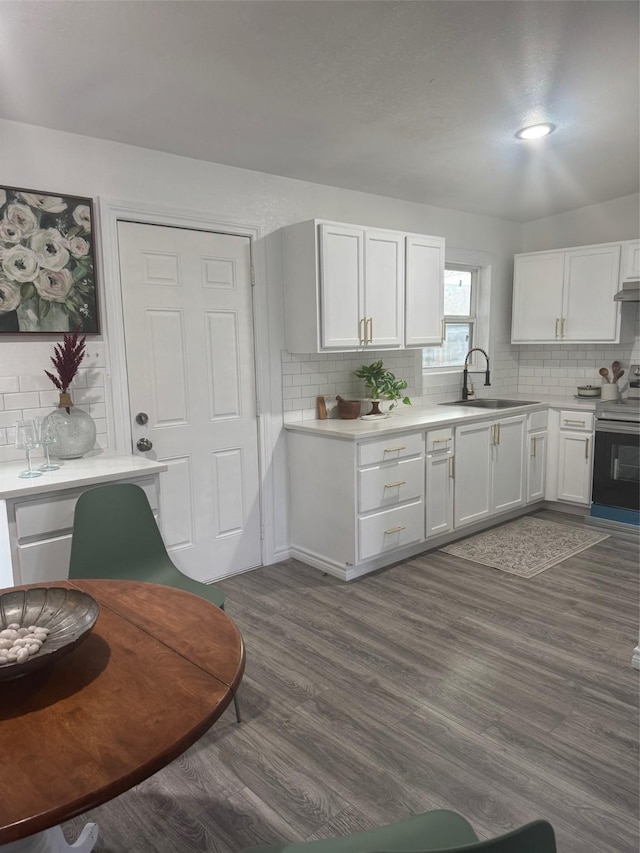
46	437
27	439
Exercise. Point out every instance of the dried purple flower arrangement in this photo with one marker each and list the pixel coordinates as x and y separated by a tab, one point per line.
67	359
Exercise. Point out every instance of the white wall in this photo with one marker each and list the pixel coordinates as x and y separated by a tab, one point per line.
599	223
42	159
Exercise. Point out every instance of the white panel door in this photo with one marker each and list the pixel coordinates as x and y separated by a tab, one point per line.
537	455
341	284
384	288
537	297
472	486
590	282
424	294
188	330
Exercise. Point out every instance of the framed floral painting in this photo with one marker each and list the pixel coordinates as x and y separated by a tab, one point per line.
47	263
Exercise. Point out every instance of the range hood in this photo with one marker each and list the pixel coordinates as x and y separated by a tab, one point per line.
630	292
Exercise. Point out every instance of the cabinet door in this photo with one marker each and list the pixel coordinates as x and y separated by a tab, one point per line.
508	463
537	297
630	261
574	467
341	283
384	288
536	465
424	291
439	493
472	486
590	282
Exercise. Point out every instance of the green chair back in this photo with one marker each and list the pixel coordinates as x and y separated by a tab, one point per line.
116	536
439	831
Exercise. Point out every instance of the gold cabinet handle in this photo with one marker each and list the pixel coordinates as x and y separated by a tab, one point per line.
562	327
395	529
493	435
363	330
444	331
395	485
557	324
568	421
586	450
394	449
534	440
452	467
370	335
441	440
498	425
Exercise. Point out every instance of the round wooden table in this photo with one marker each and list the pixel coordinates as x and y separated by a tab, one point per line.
158	669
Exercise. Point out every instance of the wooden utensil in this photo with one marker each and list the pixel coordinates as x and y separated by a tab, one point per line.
620	375
605	373
615	370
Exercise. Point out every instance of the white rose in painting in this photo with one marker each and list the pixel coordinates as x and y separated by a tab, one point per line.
9	296
22	217
50	249
9	233
3	198
19	264
82	216
48	203
78	247
54	285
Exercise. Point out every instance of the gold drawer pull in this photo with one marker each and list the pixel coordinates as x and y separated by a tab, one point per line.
441	440
452	467
586	450
395	485
395	529
394	449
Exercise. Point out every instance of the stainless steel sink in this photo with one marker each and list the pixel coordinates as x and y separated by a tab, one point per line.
487	403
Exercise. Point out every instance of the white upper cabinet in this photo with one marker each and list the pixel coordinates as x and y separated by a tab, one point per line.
346	286
424	291
630	261
566	296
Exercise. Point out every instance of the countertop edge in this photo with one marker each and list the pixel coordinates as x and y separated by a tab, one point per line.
424	417
87	471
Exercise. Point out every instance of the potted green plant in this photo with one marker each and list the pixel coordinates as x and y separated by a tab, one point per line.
383	385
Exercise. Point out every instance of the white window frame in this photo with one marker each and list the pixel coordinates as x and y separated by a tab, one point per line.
480	263
470	319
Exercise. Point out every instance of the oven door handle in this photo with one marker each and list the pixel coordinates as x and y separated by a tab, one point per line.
621	427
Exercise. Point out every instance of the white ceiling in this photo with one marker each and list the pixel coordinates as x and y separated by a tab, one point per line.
413	100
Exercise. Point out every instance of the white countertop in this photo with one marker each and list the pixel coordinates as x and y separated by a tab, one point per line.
418	417
98	467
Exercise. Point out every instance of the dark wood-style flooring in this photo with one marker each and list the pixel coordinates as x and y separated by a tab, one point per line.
436	683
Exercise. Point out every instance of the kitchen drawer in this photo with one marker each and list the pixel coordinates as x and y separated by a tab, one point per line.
391	448
44	561
439	439
537	420
576	421
389	484
391	529
55	514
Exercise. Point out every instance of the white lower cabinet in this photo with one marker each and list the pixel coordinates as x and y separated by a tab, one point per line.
489	475
39	530
575	451
536	465
570	456
439	464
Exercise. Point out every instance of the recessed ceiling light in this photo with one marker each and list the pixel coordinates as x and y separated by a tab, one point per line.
536	131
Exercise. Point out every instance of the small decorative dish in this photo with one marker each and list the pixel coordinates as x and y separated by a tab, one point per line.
66	615
588	391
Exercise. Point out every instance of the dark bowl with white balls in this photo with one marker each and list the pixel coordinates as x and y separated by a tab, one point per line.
47	622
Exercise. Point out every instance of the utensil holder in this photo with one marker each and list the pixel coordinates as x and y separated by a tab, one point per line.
609	391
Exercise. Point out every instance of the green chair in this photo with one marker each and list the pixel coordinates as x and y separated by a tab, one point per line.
116	536
437	832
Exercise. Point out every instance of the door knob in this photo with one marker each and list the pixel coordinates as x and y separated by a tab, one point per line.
142	418
144	444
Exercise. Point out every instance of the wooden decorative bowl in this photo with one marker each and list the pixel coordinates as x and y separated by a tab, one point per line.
69	614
